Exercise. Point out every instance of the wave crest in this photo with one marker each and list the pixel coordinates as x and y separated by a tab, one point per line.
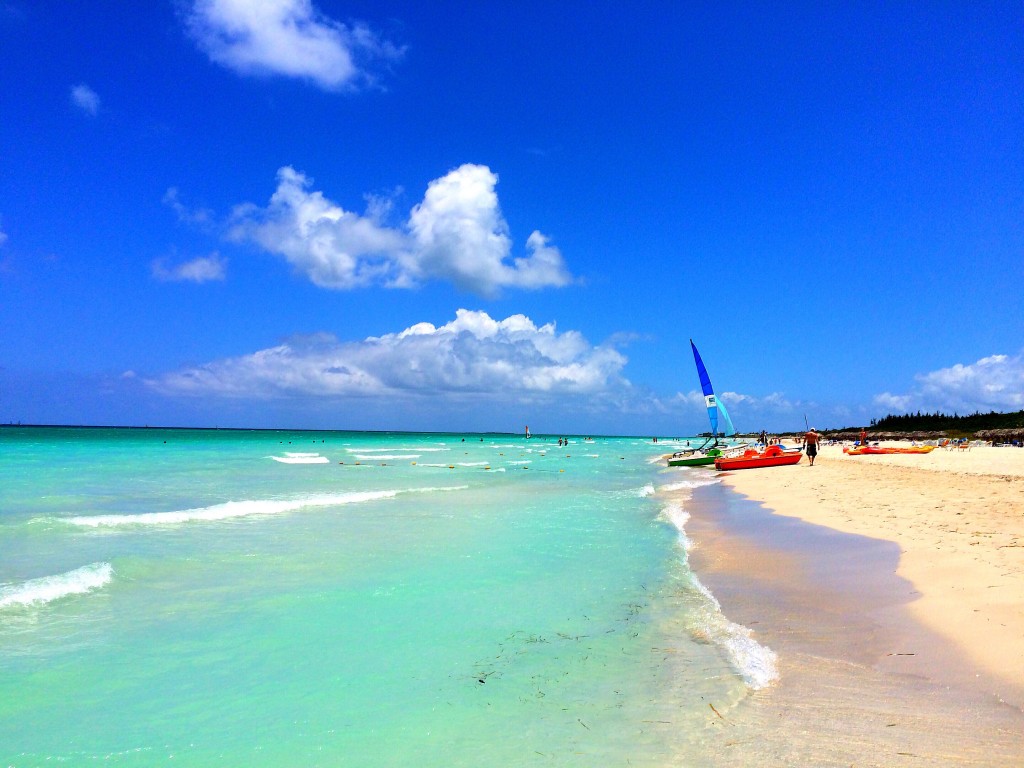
49	588
231	509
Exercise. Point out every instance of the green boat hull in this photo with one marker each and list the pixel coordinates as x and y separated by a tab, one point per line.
698	460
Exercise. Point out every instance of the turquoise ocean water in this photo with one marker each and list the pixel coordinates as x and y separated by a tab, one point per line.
268	598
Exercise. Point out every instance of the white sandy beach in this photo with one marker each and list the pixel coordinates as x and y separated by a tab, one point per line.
958	519
892	590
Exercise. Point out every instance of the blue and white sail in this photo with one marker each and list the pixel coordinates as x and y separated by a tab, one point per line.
714	405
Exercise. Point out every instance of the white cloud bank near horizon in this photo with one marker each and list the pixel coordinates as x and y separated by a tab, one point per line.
456	233
290	38
493	364
474	355
994	383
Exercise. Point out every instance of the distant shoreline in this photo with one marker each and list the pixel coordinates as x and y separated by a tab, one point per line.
533	435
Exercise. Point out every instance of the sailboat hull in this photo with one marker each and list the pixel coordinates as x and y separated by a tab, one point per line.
698	460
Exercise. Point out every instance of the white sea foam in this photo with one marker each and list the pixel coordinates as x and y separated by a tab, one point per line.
647	490
301	458
231	509
682	485
49	588
756	664
678	516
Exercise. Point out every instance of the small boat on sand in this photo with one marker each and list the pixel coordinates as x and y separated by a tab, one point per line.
700	458
861	450
772	456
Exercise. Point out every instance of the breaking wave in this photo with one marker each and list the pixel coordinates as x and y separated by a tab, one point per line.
301	458
231	509
49	588
755	663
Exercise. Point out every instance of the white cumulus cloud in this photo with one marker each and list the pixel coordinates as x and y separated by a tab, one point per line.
994	383
472	355
333	247
86	99
457	233
287	37
202	269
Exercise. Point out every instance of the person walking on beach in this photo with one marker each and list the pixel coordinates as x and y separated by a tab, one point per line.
863	436
811	441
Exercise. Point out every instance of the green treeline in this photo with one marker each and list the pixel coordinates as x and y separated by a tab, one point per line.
940	422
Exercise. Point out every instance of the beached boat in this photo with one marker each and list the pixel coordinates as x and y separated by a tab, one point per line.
877	449
772	456
705	455
694	458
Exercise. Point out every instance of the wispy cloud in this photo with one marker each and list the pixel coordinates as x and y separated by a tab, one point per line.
992	383
471	356
199	270
198	216
457	234
290	38
86	99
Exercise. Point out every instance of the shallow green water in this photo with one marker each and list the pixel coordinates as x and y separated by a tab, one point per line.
186	598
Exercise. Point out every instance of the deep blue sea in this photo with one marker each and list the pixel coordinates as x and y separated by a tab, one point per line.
269	598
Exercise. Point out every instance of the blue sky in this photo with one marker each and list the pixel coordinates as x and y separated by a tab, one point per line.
400	215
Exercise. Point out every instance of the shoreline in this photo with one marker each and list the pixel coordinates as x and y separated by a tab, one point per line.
843	571
956	519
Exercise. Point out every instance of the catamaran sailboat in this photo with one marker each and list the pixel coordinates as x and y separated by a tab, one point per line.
706	454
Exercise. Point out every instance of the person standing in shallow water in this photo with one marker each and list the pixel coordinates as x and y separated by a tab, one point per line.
811	442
